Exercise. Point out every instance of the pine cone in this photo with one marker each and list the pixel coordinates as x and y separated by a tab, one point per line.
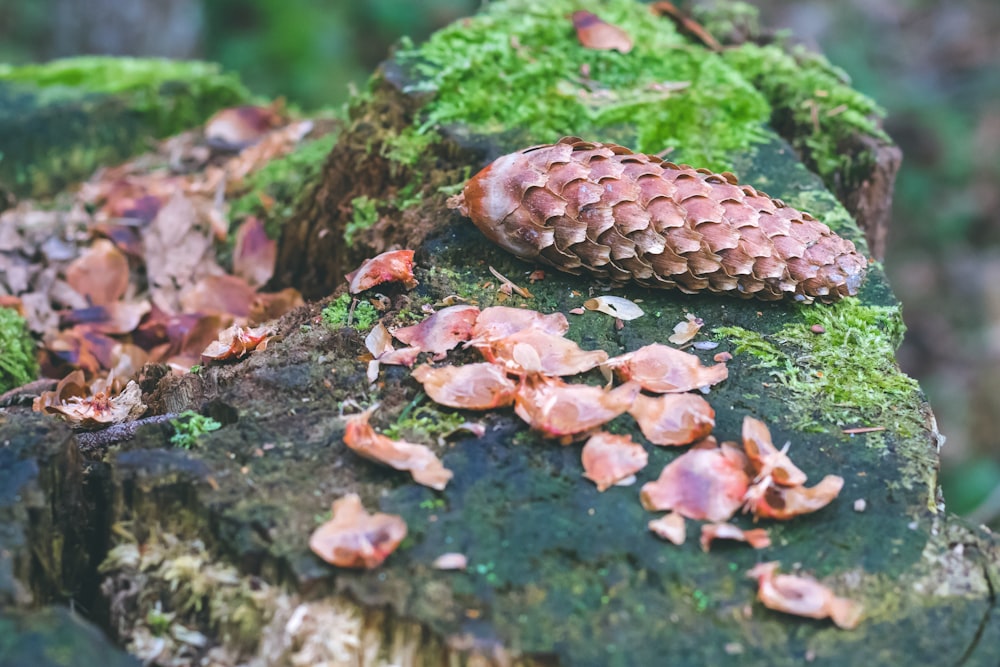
601	208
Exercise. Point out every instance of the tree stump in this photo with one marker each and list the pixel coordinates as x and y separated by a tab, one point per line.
203	554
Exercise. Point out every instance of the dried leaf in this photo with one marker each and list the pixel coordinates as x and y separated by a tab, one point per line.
756	537
565	411
254	254
354	538
392	266
768	460
686	330
442	331
100	408
235	343
535	351
266	307
615	306
669	527
236	128
673	419
803	596
597	34
702	483
471	387
498	322
422	464
768	501
100	273
221	294
608	459
664	369
686	24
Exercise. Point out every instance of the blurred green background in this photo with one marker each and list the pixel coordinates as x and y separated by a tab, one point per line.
934	64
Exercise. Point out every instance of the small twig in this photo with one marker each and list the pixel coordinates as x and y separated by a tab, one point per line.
862	429
22	394
91	440
520	291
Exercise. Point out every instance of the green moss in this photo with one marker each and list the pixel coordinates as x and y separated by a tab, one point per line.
174	95
364	215
189	426
846	375
281	181
518	66
17	351
410	145
823	107
424	422
345	311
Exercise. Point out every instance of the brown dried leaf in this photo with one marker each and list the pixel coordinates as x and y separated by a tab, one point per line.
471	387
392	266
803	596
768	501
669	527
254	254
100	273
768	460
686	24
355	538
220	294
567	411
686	330
597	34
664	369
756	537
702	483
236	128
673	419
609	459
98	409
235	342
422	464
442	331
271	306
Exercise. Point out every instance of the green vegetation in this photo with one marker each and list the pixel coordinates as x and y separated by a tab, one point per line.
17	351
846	375
189	426
424	422
411	144
365	214
346	311
519	65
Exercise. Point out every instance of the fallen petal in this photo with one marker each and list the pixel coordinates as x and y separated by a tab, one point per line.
767	459
472	387
392	266
686	330
498	322
354	538
702	483
615	306
423	465
442	331
803	596
669	527
559	410
609	459
549	354
663	369
673	419
779	502
756	537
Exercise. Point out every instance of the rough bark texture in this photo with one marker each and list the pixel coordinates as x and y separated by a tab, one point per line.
204	553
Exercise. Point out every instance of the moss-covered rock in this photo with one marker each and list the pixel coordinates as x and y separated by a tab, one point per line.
18	364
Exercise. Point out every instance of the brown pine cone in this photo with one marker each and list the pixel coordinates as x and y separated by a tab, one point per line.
621	215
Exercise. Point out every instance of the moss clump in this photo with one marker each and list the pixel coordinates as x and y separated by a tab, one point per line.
173	95
17	351
364	216
410	145
273	191
346	311
424	422
518	66
823	109
846	375
189	426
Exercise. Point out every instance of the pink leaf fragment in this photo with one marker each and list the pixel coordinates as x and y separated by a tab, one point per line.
686	330
608	459
565	411
767	459
235	343
803	596
669	527
702	483
440	332
755	537
673	419
782	503
535	351
498	322
391	266
355	538
423	465
663	369
595	33
481	386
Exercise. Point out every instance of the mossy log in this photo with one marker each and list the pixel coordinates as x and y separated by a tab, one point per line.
202	554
